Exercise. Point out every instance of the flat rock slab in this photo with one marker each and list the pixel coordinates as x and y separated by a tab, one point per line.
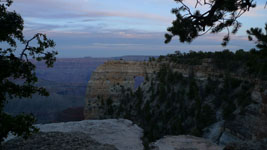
184	142
57	141
121	133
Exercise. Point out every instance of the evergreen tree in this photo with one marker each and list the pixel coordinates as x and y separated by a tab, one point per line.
17	75
222	14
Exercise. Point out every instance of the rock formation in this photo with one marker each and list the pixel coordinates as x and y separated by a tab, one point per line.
122	134
184	142
56	141
237	104
250	127
105	80
110	134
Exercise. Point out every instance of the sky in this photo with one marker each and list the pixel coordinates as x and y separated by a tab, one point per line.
108	28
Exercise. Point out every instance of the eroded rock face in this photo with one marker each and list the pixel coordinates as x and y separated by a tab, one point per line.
184	142
245	130
107	79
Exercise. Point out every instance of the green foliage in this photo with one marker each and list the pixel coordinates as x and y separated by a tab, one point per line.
175	104
206	117
261	38
20	125
17	76
191	58
249	64
235	82
166	112
211	86
186	105
193	89
151	59
110	109
228	111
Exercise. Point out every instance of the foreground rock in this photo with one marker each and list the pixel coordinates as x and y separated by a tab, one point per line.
122	134
248	145
56	141
184	142
110	134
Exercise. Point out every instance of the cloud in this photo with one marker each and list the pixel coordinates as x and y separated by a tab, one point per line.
109	28
154	17
115	43
61	9
51	15
259	11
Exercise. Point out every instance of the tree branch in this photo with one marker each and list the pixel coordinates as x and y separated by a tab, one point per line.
27	45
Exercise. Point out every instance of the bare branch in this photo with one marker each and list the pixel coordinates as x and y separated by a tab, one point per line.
198	2
206	3
205	32
187	8
27	45
189	25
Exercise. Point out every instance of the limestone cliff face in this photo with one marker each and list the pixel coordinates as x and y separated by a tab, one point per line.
105	80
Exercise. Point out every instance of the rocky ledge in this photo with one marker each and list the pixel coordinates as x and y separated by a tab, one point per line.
120	133
56	141
110	134
184	142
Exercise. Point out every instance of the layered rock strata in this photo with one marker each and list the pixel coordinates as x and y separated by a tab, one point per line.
106	80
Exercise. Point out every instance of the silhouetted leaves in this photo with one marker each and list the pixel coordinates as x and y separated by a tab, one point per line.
222	14
261	38
17	75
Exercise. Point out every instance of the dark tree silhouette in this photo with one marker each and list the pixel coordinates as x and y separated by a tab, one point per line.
17	72
260	37
221	14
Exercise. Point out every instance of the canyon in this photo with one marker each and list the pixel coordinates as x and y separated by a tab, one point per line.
166	101
247	127
66	82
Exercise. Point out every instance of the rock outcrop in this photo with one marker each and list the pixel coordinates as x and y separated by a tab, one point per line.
184	142
56	141
122	134
250	126
110	134
105	80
